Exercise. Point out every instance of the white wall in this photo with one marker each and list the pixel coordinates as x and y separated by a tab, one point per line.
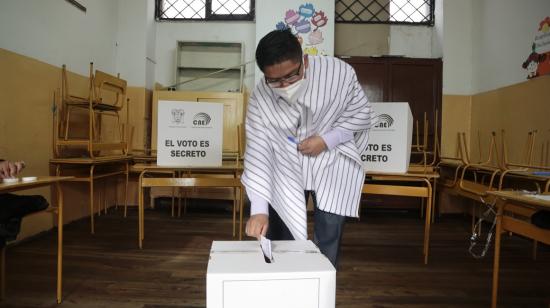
419	41
55	32
503	33
168	33
486	41
131	41
150	41
136	34
457	47
437	37
411	41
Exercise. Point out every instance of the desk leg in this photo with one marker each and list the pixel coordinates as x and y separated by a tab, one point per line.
235	212
428	218
59	242
3	273
434	193
496	261
92	199
140	211
241	214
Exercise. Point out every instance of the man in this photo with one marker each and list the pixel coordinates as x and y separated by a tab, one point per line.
14	207
307	123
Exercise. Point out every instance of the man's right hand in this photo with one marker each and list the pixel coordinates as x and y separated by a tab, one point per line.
257	225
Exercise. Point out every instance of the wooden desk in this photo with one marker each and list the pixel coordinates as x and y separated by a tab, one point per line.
521	227
64	164
41	181
424	190
228	167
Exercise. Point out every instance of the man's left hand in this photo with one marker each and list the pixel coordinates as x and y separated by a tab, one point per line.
312	146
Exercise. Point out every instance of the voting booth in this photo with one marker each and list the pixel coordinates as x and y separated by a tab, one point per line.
299	276
390	139
189	133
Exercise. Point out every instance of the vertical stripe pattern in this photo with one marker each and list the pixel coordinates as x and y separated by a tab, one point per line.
279	173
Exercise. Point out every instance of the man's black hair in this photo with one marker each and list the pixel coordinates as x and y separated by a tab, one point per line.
276	47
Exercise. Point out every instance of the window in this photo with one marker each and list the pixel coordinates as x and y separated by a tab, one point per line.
417	12
204	9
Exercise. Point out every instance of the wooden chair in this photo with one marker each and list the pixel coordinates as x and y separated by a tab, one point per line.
106	97
191	182
429	157
424	191
237	156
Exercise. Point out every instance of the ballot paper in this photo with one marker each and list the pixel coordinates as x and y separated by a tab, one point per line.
265	244
540	197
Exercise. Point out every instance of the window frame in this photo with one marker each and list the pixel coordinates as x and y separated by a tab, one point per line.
430	22
209	16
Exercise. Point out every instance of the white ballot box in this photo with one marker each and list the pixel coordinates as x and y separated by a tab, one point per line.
389	148
239	276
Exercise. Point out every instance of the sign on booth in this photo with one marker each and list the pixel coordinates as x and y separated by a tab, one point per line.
189	133
389	148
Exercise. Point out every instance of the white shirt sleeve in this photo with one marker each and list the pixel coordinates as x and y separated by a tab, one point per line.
258	205
336	136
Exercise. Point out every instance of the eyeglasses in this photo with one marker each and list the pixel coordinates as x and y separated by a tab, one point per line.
289	79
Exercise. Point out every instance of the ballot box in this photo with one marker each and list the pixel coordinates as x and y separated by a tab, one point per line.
389	148
240	276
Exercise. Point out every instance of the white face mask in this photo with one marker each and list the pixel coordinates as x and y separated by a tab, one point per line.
291	92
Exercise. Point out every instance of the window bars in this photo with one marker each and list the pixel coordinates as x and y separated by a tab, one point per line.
204	9
416	12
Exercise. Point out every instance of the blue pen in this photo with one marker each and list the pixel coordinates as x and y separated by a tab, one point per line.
293	140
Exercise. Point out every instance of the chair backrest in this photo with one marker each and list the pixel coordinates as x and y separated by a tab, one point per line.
65	90
109	90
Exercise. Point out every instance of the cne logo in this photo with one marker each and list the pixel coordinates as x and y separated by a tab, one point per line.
201	119
177	116
384	121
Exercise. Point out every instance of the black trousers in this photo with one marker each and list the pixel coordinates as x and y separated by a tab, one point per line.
12	209
327	230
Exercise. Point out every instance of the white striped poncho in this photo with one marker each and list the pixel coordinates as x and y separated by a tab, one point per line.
273	167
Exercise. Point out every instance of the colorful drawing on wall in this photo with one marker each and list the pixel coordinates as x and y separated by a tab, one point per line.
538	62
306	23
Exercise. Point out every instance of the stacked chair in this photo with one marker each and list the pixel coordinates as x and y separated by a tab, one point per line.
106	97
90	141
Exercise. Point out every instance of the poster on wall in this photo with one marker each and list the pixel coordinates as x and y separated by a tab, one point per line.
311	21
538	61
189	134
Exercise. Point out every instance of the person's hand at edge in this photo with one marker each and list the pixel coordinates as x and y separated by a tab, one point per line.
9	169
257	225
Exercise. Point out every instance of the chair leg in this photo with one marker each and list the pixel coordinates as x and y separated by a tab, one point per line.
234	211
67	122
126	189
3	273
105	203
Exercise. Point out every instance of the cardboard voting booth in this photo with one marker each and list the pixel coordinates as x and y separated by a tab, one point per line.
389	148
189	133
239	276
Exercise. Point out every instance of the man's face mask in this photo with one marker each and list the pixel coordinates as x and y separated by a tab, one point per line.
291	92
289	87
